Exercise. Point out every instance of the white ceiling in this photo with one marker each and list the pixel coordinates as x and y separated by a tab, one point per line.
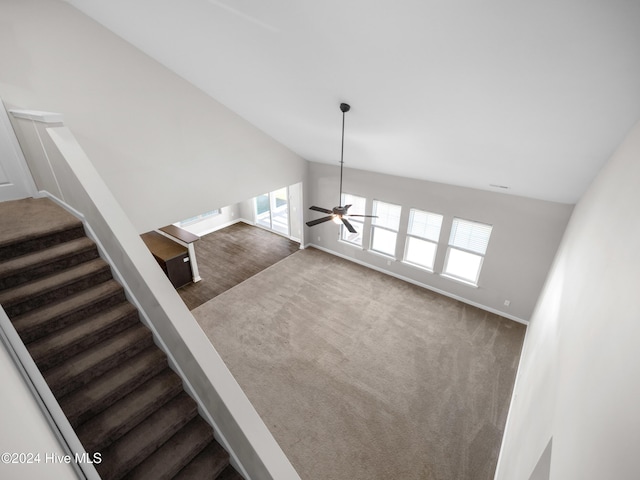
531	95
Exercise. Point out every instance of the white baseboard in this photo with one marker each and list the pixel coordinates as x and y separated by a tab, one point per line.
420	284
249	222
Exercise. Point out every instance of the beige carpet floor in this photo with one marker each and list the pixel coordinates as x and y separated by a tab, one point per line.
359	375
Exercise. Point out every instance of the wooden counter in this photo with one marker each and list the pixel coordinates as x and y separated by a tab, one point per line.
171	256
180	234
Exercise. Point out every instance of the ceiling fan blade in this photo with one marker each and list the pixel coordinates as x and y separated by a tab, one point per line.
320	220
346	207
368	216
348	225
320	209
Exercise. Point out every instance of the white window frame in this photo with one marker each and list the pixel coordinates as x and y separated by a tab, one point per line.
375	225
472	238
357	222
432	238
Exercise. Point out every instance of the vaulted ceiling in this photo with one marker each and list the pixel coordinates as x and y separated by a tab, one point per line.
533	96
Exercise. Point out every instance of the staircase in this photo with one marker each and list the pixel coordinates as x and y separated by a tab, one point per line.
99	360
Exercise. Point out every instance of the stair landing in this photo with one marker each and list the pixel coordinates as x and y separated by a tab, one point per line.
22	220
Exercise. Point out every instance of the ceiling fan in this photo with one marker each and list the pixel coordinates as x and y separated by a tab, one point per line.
341	212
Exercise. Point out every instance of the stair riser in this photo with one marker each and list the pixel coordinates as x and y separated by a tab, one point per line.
82	413
181	449
196	447
224	463
229	473
24	305
55	356
107	472
209	463
36	332
94	444
40	243
41	270
85	377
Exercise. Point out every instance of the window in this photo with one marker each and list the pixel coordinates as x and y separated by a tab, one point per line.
198	218
422	238
384	228
467	246
358	205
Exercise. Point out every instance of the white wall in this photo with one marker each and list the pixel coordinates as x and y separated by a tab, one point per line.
166	150
579	379
526	233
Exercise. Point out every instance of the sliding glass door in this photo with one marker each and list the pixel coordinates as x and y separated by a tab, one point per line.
272	210
263	211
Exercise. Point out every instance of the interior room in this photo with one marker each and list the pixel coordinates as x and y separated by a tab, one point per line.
457	295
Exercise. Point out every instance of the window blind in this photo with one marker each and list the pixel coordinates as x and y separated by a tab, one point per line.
388	215
425	224
358	204
470	236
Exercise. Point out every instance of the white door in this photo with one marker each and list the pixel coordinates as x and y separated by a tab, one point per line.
15	178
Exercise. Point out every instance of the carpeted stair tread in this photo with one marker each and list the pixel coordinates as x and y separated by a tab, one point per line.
209	463
129	451
69	341
34	223
44	262
29	296
91	363
177	452
122	416
40	322
229	473
104	391
32	218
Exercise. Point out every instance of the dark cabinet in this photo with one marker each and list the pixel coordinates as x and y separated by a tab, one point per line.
172	257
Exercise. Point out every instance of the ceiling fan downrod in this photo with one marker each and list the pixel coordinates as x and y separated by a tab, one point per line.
344	108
